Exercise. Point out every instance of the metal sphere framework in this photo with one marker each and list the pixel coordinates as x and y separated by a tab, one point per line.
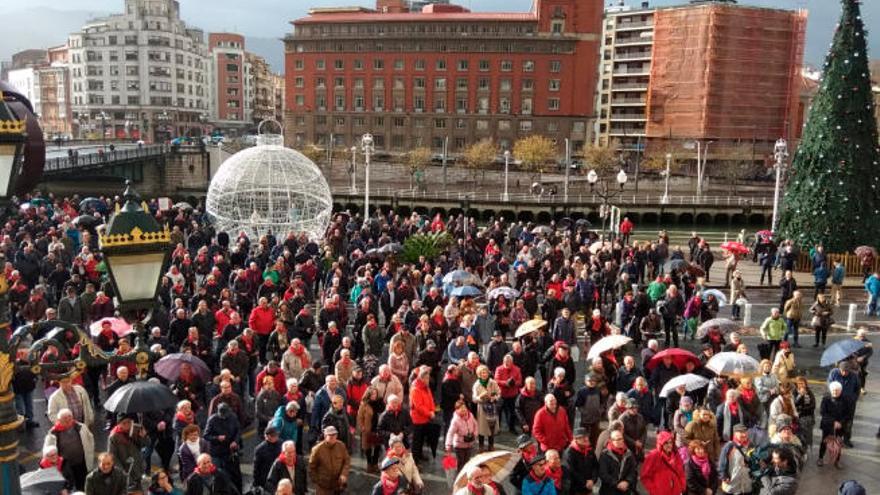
270	189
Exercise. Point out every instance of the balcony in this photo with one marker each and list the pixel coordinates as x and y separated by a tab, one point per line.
634	41
627	117
632	102
624	26
642	55
637	86
633	71
626	131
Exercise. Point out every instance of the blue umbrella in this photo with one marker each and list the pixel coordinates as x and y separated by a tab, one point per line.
840	351
466	291
458	276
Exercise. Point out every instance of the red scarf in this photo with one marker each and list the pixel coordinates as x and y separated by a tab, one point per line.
210	471
283	459
527	393
748	394
59	428
617	450
581	450
734	408
119	430
745	442
620	409
46	463
474	490
561	359
555	475
184	418
293	398
300	353
389	486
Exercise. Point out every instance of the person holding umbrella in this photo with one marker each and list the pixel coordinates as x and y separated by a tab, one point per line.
845	374
125	443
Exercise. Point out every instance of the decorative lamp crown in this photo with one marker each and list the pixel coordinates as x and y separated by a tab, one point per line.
131	225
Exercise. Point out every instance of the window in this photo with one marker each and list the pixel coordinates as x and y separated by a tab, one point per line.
378	83
503	125
554	84
398	64
528	84
440	83
461	83
358	102
320	83
319	64
504	85
420	64
461	105
300	82
419	82
338	64
339	82
358	121
504	105
482	125
484	65
557	26
378	64
440	105
553	104
463	65
340	121
440	64
483	84
340	102
358	64
483	105
300	100
418	123
419	103
399	121
555	66
397	141
552	127
439	123
378	102
525	125
528	66
398	83
321	102
506	65
460	124
380	122
298	65
359	83
526	106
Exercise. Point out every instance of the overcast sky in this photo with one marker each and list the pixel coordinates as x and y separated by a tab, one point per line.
270	18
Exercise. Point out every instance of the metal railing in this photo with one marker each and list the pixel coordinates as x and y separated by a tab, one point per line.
573	198
102	158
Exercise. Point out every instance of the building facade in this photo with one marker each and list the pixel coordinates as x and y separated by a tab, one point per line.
230	109
45	80
442	75
262	88
141	74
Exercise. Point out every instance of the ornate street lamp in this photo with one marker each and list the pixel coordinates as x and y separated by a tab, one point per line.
136	249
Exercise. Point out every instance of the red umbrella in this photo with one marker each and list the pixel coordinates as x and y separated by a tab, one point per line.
680	357
120	327
734	247
865	252
764	233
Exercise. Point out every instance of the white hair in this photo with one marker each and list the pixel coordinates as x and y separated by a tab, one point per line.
292	381
474	471
653	343
835	386
288	443
559	372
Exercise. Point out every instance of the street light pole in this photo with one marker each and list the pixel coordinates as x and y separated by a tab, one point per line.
567	169
367	145
445	150
665	199
780	152
354	187
506	196
103	130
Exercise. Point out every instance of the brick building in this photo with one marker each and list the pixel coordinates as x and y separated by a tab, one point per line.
228	92
43	77
418	79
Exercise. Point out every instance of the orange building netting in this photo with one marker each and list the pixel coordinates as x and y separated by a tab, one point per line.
725	72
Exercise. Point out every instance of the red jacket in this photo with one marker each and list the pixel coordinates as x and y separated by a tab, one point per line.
626	226
551	430
503	374
663	474
222	320
279	378
262	320
421	403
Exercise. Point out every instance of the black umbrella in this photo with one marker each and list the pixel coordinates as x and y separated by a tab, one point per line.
301	257
42	482
564	224
583	223
140	397
87	221
676	265
390	248
183	205
94	204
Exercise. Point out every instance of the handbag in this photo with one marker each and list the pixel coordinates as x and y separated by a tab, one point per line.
833	446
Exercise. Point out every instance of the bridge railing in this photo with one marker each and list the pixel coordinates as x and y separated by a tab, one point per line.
62	163
623	199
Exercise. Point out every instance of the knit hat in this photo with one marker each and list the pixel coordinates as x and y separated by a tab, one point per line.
524	441
388	462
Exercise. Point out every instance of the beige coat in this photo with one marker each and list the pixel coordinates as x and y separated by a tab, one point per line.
327	463
88	443
365	426
481	395
58	401
793	308
292	365
783	366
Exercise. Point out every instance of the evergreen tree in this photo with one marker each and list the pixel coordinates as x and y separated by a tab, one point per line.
833	195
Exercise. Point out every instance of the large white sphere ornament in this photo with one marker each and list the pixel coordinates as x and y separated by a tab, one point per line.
270	189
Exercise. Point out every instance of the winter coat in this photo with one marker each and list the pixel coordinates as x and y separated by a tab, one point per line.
765	386
487	396
527	406
663	474
187	458
773	329
339	420
697	483
127	453
707	433
509	379
98	483
459	428
551	430
783	366
366	421
217	484
86	439
421	400
387	388
287	427
589	402
733	466
227	427
266	404
530	486
374	340
58	401
581	467
635	429
293	365
832	410
279	471
394	423
402	487
781	484
264	457
327	462
613	469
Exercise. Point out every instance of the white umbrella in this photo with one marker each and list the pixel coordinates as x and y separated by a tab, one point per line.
719	296
732	364
529	327
690	381
507	292
606	344
596	246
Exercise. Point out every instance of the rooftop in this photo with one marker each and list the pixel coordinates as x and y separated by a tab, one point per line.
431	13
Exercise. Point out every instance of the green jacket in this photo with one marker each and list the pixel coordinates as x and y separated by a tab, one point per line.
773	329
656	291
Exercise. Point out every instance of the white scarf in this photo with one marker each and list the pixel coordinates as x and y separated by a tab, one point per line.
193	447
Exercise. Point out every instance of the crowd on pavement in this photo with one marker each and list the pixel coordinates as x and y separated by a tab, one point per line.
411	369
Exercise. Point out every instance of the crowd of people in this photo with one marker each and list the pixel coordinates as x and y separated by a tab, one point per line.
405	372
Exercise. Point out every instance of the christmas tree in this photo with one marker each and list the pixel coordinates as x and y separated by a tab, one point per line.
833	195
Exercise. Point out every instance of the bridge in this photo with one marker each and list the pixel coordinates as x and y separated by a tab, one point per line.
185	172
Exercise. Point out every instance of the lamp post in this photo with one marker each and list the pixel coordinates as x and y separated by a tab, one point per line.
665	199
605	192
780	152
354	187
367	146
506	196
103	117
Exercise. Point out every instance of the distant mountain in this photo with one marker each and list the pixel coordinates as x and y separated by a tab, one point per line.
272	49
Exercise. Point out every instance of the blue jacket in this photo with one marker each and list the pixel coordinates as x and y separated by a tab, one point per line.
287	427
851	386
872	285
838	274
820	275
532	487
322	405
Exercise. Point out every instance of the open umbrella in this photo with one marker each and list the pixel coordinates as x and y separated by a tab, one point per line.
141	397
690	381
840	351
169	366
606	344
42	481
735	247
458	277
183	205
583	223
675	265
764	233
87	221
564	223
724	325
680	357
466	291
507	292
499	463
596	247
695	270
732	364
542	230
92	203
719	296
119	326
391	248
529	327
865	251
